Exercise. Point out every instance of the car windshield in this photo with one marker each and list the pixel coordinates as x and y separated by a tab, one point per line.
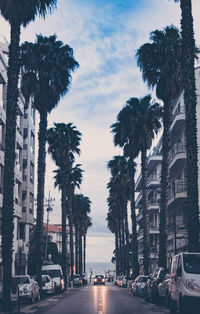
191	263
21	280
99	277
142	279
52	272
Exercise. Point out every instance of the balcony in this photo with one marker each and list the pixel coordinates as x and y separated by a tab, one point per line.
2	115
18	172
177	190
138	183
139	215
177	157
138	199
178	120
153	203
1	156
153	180
19	138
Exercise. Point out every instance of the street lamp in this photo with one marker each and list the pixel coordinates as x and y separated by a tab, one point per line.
49	209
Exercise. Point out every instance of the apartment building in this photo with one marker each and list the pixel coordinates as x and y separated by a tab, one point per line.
177	192
153	183
24	168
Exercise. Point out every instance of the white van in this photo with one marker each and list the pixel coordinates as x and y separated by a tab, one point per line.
185	282
56	274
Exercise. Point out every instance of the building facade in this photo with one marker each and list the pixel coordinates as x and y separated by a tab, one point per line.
177	190
24	168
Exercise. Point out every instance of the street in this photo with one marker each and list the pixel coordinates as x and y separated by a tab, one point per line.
91	299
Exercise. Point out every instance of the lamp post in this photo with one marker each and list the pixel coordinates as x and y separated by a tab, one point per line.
174	214
49	209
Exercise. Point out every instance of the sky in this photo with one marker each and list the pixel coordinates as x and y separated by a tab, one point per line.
104	36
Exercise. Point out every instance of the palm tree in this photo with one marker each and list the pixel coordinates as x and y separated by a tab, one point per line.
63	140
81	207
190	100
145	121
160	63
17	14
47	66
112	224
87	224
120	178
122	130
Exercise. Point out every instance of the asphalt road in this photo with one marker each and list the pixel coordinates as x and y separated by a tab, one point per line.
91	299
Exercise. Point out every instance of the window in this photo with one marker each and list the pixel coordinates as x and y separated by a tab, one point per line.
22	231
31	172
25	133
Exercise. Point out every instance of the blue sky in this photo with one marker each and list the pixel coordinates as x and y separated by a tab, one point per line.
105	36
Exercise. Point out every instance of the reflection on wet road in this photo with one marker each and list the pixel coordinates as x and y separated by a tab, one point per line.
99	294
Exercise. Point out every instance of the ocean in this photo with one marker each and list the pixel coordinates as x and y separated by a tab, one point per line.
99	268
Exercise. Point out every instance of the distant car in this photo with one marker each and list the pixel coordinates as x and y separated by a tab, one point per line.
119	281
138	285
163	290
48	285
28	288
77	280
99	279
124	281
84	279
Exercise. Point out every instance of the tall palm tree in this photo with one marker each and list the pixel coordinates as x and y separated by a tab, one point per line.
47	66
120	177
17	14
63	140
160	63
145	118
86	226
112	224
123	136
80	208
190	100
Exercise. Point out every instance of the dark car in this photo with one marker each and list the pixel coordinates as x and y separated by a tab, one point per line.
151	286
99	279
84	279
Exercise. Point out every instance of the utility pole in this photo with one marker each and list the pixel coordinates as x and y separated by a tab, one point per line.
49	209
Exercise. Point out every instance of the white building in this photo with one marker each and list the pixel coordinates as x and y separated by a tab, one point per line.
24	168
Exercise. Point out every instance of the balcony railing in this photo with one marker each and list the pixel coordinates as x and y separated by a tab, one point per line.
177	187
170	227
153	177
178	148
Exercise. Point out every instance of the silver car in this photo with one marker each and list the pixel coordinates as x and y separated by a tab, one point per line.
28	288
48	285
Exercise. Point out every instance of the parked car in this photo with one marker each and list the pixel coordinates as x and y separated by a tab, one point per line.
28	288
56	274
115	281
151	286
185	283
138	285
48	285
77	280
119	281
163	290
99	279
84	279
124	281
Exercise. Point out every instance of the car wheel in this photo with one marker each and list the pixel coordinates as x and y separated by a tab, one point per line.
136	292
32	300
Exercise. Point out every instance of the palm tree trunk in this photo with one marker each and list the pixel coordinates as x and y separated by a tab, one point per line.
64	237
40	194
76	248
123	248
117	252
71	236
120	246
166	145
8	193
190	125
127	242
84	253
80	254
135	264
145	213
